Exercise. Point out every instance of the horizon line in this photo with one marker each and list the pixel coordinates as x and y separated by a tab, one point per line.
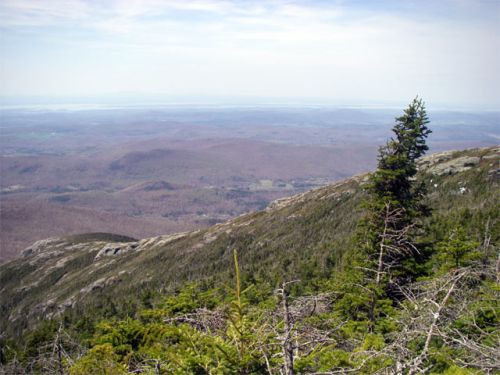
149	101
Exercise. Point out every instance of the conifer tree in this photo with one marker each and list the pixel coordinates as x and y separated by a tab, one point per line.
394	205
393	181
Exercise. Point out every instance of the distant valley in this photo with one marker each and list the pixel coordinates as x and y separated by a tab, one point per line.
142	173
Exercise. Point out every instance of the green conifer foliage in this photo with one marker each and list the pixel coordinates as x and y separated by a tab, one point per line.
457	250
393	181
101	359
386	236
395	199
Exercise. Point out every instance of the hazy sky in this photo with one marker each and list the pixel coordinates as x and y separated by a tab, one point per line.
447	51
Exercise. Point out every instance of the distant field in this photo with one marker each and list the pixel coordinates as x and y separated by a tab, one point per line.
147	172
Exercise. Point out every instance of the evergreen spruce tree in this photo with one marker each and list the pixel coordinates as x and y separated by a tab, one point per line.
394	205
393	181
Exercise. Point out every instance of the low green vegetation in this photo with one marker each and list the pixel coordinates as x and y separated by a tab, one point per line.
395	273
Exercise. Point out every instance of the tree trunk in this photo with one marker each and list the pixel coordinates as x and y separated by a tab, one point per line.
287	345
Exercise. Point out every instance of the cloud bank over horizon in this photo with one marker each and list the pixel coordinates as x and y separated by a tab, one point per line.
330	51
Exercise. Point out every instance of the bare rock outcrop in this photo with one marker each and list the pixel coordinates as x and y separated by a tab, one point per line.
40	246
454	166
119	248
444	163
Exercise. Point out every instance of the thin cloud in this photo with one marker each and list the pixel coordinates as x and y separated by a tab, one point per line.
388	49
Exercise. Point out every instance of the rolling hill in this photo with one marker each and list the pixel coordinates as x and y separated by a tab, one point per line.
69	172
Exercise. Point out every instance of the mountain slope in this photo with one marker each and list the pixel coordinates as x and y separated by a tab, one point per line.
303	237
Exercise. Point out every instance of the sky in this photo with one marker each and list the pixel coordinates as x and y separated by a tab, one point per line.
331	51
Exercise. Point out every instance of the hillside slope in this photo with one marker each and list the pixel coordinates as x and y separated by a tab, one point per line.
305	237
